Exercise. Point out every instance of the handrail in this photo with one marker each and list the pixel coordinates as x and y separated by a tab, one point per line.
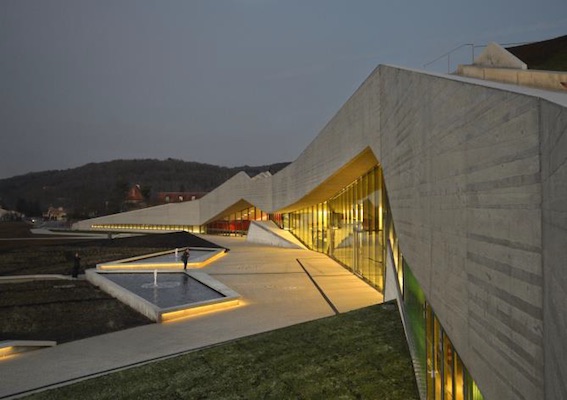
473	47
448	55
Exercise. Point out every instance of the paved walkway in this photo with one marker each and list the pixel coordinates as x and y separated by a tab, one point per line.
276	289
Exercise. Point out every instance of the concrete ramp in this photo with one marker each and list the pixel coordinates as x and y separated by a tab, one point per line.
267	232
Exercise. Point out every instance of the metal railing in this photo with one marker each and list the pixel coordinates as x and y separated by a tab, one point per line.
448	55
473	47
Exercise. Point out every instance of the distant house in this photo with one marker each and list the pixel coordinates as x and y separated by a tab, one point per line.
55	214
134	199
134	195
177	197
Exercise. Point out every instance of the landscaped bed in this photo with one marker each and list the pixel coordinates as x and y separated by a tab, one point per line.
27	256
64	310
358	355
61	311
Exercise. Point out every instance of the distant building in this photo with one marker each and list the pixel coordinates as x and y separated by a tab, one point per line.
177	197
134	195
55	214
134	199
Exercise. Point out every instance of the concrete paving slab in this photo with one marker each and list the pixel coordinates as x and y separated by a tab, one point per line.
345	290
276	292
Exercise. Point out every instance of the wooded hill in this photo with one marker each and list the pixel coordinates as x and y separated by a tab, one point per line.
99	188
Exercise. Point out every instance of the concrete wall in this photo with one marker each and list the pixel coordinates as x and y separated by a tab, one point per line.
461	165
167	214
554	182
548	80
494	56
268	233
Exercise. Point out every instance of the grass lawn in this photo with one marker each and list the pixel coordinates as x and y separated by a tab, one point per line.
357	355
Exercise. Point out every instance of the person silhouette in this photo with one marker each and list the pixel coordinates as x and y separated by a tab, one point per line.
185	258
76	265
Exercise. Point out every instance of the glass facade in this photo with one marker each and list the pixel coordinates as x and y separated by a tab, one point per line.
352	227
414	306
447	377
349	227
236	224
439	365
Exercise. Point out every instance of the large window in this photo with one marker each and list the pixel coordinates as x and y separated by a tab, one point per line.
447	377
348	227
236	224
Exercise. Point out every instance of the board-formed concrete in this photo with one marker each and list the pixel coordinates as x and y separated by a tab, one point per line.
476	176
554	209
462	174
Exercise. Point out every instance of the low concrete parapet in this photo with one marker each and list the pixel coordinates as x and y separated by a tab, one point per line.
266	232
11	347
29	278
548	80
226	296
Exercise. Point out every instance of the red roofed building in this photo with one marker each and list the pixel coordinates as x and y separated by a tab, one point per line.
134	195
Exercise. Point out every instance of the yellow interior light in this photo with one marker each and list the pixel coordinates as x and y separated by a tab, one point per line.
6	351
189	312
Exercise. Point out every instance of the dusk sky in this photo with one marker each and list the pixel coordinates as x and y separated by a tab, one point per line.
226	82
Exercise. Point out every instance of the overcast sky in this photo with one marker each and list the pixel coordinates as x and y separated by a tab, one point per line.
227	82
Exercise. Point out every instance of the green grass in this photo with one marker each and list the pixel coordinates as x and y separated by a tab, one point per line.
357	355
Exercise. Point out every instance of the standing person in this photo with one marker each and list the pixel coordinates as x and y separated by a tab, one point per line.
76	265
185	258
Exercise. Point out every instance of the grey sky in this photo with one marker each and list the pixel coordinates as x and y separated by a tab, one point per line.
228	82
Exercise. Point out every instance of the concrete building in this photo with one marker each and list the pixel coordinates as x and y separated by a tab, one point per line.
446	192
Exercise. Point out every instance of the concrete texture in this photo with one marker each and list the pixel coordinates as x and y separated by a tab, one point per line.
548	80
495	55
276	292
267	232
462	173
499	65
554	208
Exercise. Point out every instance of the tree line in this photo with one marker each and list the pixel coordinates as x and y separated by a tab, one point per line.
97	189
